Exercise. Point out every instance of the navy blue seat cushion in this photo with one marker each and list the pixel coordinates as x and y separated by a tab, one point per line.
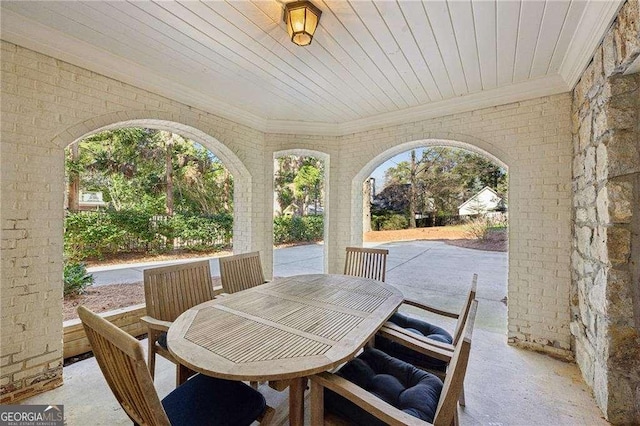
162	340
418	327
204	400
396	382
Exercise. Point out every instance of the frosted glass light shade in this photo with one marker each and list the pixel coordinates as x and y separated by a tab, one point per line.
302	19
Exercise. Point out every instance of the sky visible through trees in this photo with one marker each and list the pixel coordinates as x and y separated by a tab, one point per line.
379	173
434	180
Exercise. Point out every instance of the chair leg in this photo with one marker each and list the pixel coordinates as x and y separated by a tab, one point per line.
182	374
461	398
254	385
266	418
152	355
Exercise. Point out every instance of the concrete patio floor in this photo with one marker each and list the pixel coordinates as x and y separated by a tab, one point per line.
504	385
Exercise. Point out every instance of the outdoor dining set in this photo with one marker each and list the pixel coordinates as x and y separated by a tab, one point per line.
338	336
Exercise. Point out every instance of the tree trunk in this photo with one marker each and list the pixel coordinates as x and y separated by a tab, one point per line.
169	168
315	199
412	190
366	205
73	192
226	190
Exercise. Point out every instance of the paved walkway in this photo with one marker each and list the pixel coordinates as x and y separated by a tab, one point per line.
304	259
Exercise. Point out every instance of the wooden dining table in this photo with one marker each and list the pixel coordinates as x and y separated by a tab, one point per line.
284	330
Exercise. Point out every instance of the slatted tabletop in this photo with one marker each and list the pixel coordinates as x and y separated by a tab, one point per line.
289	328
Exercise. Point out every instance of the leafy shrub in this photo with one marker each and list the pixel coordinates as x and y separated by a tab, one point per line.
134	223
90	235
287	229
478	228
315	227
76	278
203	232
394	222
388	222
95	234
376	222
499	222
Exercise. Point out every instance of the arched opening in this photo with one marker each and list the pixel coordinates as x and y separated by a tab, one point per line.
301	206
241	175
422	263
196	157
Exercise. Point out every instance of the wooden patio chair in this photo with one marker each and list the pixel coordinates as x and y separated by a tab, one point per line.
169	291
240	272
200	400
366	263
413	340
435	402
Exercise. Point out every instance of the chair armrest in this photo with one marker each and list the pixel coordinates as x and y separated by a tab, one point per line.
155	324
365	400
431	308
431	342
417	343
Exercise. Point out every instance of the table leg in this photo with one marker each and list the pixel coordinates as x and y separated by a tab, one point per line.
296	401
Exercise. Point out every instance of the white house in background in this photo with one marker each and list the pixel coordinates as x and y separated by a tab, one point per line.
486	200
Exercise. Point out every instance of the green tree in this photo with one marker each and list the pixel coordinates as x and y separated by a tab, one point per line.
307	183
440	179
154	171
299	182
477	172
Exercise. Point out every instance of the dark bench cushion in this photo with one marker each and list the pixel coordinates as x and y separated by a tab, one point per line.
418	327
398	383
204	400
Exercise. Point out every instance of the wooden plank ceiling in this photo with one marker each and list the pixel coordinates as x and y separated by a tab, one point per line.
368	58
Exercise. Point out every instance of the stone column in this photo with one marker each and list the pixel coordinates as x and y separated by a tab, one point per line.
605	300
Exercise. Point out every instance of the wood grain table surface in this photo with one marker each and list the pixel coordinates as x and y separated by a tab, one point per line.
286	329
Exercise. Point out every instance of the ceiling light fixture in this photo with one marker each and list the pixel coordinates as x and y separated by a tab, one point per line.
302	19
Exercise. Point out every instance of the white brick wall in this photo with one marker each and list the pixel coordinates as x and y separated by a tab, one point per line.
533	138
47	104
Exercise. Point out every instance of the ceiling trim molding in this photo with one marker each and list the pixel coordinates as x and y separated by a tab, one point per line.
31	34
596	19
312	128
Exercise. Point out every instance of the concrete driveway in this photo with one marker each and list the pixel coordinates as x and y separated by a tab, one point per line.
439	274
432	272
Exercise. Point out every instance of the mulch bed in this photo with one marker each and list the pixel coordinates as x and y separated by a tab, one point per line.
104	298
108	297
495	241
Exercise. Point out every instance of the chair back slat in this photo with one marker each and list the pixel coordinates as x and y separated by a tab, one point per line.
171	290
121	360
464	312
366	262
453	382
240	272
